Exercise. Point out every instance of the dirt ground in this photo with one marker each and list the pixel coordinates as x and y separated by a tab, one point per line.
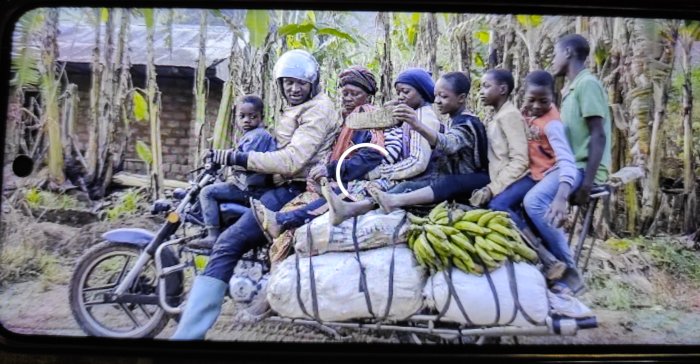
666	312
24	309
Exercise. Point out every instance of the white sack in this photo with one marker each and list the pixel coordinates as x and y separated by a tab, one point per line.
478	301
374	229
337	277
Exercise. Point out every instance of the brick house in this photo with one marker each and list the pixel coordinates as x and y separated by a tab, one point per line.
175	78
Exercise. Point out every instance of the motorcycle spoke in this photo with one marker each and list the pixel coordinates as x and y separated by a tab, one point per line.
123	272
100	288
130	314
145	312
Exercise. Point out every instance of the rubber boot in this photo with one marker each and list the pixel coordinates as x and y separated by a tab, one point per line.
572	278
208	241
553	267
202	308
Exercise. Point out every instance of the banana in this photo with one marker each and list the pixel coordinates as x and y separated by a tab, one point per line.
462	241
416	219
411	238
440	246
485	218
500	240
488	261
503	230
497	256
469	227
460	265
459	253
502	220
440	208
525	251
456	215
449	230
497	248
435	230
425	246
474	215
443	221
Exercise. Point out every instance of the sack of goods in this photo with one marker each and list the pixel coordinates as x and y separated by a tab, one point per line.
385	283
514	294
371	230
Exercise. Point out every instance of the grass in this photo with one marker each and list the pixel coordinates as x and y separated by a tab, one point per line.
677	260
23	262
37	198
127	205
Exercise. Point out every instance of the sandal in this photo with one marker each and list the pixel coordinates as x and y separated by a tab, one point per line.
257	208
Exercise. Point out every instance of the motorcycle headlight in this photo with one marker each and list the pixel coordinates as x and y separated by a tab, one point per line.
160	206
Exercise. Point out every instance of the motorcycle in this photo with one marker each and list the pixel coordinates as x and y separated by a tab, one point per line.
132	283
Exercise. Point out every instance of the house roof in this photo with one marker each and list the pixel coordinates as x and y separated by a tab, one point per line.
76	42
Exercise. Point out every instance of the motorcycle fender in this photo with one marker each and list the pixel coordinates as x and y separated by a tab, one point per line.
136	236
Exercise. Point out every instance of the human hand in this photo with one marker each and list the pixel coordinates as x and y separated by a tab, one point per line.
391	103
405	113
221	156
317	172
582	195
557	213
481	197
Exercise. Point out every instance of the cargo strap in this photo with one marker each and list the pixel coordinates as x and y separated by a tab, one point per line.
514	291
363	277
312	279
390	296
453	292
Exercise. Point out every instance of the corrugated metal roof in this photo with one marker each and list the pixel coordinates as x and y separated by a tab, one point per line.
76	42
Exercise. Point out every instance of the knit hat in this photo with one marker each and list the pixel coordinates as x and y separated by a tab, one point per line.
419	79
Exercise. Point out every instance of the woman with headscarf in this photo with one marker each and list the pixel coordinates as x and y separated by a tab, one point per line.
415	95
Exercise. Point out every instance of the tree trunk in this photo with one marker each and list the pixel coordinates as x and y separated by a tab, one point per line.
222	127
49	94
92	154
154	112
690	218
122	107
426	54
200	91
386	65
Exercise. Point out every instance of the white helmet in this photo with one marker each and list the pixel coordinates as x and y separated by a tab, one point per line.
298	64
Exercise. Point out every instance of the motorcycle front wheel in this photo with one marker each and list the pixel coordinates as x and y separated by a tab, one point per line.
98	273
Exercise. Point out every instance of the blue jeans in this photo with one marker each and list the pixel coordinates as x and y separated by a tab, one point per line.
246	234
537	203
458	187
511	198
212	195
298	217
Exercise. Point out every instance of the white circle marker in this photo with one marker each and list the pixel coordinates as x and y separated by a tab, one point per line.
345	154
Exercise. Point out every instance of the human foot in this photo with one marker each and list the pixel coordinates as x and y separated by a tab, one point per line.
267	219
336	206
383	199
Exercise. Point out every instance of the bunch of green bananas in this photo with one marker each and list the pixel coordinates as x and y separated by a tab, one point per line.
469	240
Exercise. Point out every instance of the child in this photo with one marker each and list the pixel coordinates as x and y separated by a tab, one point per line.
507	152
586	116
242	184
549	152
464	167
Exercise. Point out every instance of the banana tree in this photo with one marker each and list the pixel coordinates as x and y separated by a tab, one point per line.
153	99
50	90
689	33
200	89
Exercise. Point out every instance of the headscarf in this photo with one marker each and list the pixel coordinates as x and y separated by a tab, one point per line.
419	79
358	76
361	77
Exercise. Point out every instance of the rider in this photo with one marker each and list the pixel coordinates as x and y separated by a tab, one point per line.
242	185
305	134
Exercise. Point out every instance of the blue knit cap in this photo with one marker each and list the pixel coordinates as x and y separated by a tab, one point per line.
419	79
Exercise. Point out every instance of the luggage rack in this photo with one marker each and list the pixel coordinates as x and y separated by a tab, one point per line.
429	325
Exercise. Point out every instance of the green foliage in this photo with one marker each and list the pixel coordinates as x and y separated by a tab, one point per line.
258	23
140	107
144	152
483	36
675	259
336	33
618	295
126	206
530	21
149	18
26	56
23	261
37	198
104	15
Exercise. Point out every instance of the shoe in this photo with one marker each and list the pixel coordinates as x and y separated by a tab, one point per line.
202	308
208	241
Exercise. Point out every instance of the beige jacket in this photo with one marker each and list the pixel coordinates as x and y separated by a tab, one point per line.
508	160
305	134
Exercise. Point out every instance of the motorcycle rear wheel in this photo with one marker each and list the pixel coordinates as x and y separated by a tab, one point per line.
99	271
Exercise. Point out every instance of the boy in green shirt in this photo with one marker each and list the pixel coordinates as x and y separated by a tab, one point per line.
586	117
